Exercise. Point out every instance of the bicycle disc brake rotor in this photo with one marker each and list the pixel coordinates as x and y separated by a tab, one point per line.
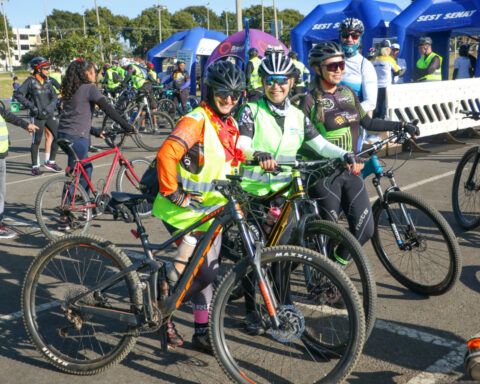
292	325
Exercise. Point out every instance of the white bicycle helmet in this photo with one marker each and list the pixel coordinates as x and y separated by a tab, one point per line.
276	64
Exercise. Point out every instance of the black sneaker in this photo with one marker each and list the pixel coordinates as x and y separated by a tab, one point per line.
52	166
174	339
254	325
36	171
201	341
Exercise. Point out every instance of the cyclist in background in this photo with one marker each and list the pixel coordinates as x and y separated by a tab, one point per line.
152	75
201	148
140	81
359	72
303	74
181	84
254	85
37	94
80	95
337	114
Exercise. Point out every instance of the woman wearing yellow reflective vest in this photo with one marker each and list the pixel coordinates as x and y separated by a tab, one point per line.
201	148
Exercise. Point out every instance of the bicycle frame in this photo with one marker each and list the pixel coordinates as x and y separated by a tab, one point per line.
167	305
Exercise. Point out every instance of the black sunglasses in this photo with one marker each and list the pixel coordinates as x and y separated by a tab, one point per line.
224	93
354	35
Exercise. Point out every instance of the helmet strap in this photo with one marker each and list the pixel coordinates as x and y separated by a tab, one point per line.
328	84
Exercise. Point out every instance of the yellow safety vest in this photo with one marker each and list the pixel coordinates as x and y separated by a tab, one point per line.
3	136
214	167
255	81
139	78
58	77
302	69
423	63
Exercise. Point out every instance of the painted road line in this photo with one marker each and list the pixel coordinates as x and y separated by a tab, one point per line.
39	308
20	222
419	183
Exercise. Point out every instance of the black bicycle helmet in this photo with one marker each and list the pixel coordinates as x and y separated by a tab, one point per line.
252	52
464	50
293	55
322	51
271	50
424	40
351	24
224	74
38	62
276	64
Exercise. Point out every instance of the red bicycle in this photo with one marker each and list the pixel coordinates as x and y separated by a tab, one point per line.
63	206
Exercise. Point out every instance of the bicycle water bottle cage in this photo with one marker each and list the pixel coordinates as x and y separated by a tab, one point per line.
371	166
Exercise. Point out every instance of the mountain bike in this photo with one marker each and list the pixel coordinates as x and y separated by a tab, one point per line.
466	185
84	302
152	126
309	230
411	238
165	96
63	201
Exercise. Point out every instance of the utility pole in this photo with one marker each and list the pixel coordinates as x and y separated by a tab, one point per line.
6	35
160	9
263	17
100	33
46	22
239	16
84	25
226	22
275	18
208	16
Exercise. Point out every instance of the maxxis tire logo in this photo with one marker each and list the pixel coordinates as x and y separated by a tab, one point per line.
51	356
293	254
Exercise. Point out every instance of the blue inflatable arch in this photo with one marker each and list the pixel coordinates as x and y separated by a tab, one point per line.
439	19
322	23
192	43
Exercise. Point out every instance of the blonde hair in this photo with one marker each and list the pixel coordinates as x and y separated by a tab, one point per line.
385	51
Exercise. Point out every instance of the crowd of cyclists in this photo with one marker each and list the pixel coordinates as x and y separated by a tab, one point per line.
210	141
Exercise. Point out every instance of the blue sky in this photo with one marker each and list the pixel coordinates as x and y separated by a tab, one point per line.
21	13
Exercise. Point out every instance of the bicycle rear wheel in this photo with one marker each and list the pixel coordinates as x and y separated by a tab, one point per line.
427	259
167	106
113	137
466	190
153	131
315	343
71	340
60	210
325	237
128	182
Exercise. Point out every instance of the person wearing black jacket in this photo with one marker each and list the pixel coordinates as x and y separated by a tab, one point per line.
80	96
38	94
8	117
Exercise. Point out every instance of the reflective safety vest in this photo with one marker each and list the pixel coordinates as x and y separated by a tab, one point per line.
110	78
302	69
153	75
3	136
58	77
423	63
255	81
140	76
283	145
214	167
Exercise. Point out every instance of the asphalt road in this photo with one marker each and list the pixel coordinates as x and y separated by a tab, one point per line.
416	340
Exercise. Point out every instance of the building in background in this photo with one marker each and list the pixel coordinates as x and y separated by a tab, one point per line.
24	40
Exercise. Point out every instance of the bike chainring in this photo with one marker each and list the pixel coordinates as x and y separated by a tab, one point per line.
292	325
102	201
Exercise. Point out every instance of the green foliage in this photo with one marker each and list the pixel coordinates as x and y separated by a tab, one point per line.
3	40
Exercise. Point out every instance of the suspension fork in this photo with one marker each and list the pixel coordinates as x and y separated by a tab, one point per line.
472	171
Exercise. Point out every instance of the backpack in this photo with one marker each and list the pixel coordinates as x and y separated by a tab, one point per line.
149	181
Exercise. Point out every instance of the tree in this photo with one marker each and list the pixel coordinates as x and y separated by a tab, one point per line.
62	22
201	15
182	21
290	18
3	40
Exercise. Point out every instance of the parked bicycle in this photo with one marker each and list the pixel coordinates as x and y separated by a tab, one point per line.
165	96
305	229
411	238
466	185
83	323
64	197
152	126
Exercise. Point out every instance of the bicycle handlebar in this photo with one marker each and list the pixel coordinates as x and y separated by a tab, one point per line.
470	114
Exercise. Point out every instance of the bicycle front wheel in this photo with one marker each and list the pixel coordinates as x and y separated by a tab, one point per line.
325	237
113	129
152	130
466	190
128	182
71	340
315	343
60	210
426	257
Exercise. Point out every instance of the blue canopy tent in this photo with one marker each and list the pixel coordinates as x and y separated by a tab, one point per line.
439	19
323	22
187	45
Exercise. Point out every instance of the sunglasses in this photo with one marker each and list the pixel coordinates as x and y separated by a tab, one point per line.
224	93
333	67
276	79
354	35
46	68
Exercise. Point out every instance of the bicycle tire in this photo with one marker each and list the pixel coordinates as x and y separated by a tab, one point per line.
359	270
467	213
113	139
409	266
50	205
167	106
247	359
151	138
85	344
126	182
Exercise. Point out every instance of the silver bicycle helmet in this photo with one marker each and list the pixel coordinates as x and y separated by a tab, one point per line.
351	24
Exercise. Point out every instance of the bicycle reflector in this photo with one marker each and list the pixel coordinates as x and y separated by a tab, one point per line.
472	358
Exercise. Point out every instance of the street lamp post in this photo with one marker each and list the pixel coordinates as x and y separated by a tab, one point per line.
263	17
275	18
226	22
100	33
46	22
239	15
160	9
6	35
208	16
84	24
